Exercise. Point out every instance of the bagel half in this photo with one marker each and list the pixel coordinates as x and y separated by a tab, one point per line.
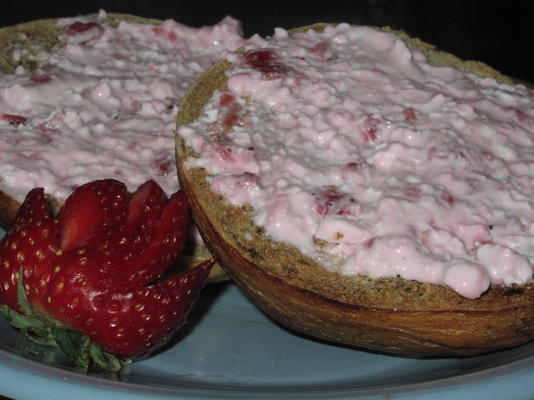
391	315
44	34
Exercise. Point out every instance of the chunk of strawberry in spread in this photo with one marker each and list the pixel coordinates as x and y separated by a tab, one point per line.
80	27
157	30
230	111
40	77
412	192
230	119
163	164
319	49
447	198
331	202
370	129
14	119
226	99
523	117
83	32
259	57
409	114
265	62
352	166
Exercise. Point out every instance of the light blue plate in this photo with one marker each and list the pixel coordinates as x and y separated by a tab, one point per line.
230	350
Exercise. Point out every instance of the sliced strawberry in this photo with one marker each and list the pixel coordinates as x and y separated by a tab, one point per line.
87	277
127	320
167	243
144	210
75	279
30	246
34	207
94	215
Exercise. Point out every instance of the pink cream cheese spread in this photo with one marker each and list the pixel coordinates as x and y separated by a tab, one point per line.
352	147
103	105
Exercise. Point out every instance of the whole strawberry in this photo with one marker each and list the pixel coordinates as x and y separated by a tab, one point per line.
86	280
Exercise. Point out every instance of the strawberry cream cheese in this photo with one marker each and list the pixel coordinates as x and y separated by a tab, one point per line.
103	105
352	147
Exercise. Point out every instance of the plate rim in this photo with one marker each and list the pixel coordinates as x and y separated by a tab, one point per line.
209	390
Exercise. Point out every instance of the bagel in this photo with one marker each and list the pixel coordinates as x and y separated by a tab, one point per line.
306	279
94	97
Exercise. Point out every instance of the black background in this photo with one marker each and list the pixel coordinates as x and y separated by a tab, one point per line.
498	33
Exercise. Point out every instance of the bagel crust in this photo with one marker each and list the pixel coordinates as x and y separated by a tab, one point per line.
387	314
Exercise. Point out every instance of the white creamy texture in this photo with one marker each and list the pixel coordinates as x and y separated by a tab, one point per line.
104	105
350	146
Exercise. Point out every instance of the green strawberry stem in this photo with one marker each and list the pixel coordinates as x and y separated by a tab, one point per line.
74	345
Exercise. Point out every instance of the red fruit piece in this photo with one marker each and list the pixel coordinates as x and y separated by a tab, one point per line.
14	119
448	198
231	118
409	114
29	246
352	166
83	32
87	282
94	215
80	27
163	164
166	244
226	99
265	62
259	57
40	77
127	320
320	48
158	30
369	129
144	210
412	192
231	113
330	202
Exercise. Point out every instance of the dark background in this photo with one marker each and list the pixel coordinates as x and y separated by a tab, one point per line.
498	33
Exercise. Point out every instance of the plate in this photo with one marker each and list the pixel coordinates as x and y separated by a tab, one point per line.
230	350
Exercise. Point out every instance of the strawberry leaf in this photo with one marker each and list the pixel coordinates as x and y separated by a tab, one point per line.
73	344
21	297
105	360
20	321
77	347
